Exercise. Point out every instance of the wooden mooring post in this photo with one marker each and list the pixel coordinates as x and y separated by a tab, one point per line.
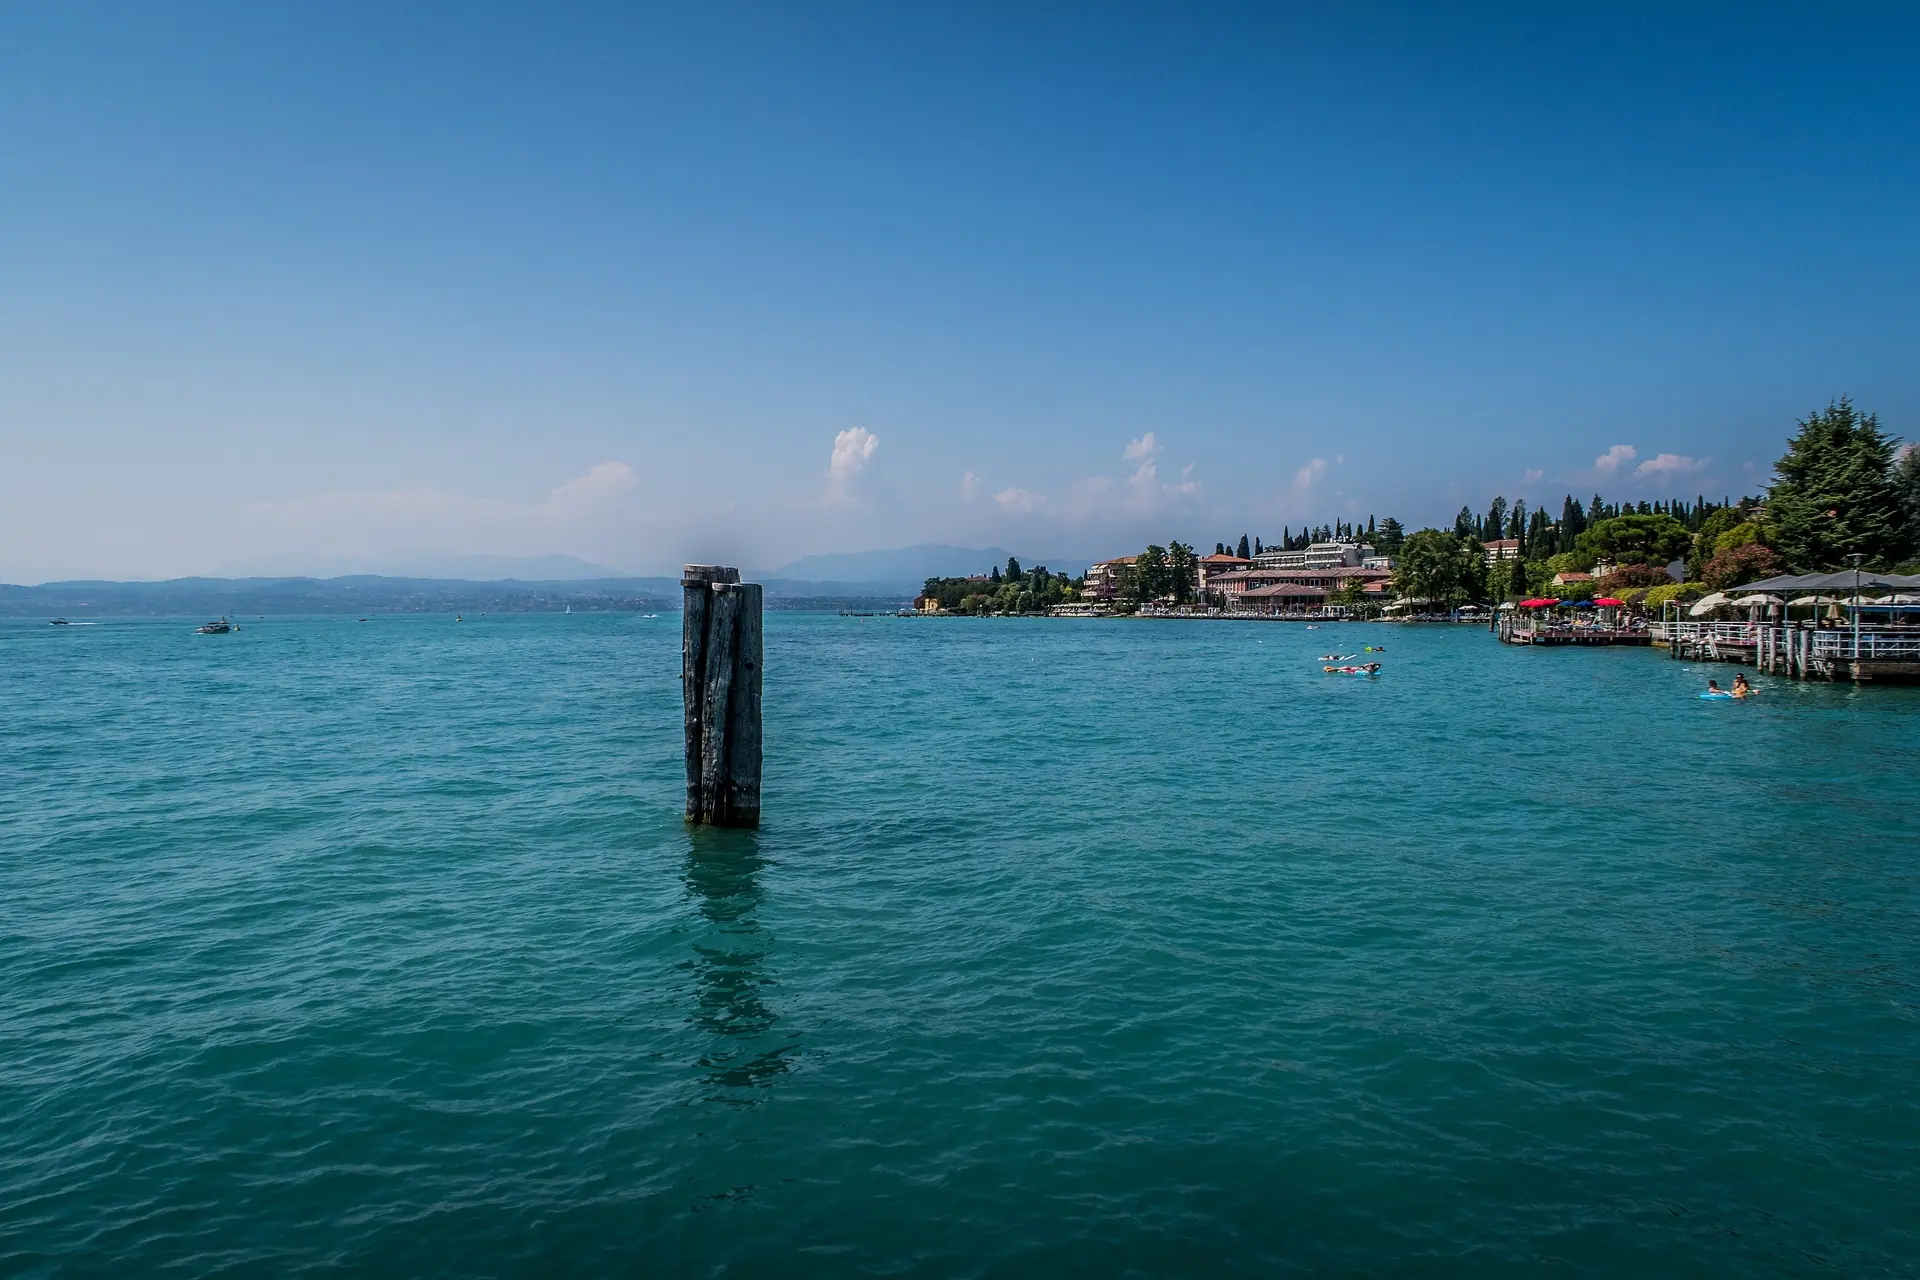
720	655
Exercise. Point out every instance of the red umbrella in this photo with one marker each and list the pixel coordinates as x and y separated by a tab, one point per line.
1609	602
1537	603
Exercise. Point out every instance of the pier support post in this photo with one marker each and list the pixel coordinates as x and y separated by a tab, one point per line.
720	657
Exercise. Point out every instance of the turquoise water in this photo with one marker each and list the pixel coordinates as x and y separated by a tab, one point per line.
1067	948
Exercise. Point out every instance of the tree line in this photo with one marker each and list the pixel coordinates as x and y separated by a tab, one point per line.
1385	537
1016	590
1843	488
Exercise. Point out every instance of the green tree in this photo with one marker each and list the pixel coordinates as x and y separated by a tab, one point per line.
1496	521
1150	574
1390	537
1244	553
1013	569
1182	567
1906	483
1717	523
1515	579
1834	493
1735	565
1442	567
1636	539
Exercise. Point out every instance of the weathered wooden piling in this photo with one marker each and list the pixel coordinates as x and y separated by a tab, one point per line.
720	655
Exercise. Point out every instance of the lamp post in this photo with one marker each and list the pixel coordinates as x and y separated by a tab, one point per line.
1856	557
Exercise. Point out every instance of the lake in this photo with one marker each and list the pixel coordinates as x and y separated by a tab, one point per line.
1085	947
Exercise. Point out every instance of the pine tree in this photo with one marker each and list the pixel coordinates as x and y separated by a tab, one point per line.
1391	537
1257	548
1244	549
1906	482
1834	496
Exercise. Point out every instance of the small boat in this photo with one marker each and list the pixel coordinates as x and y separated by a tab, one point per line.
218	628
59	622
458	618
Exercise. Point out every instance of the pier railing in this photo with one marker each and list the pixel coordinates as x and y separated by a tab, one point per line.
1799	650
1869	646
1720	632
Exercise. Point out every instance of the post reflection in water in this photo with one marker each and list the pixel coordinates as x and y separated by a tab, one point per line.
729	966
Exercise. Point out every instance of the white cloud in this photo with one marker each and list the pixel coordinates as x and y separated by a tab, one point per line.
1185	485
851	449
1672	464
603	484
1145	447
1308	476
1534	476
1615	458
1021	500
970	487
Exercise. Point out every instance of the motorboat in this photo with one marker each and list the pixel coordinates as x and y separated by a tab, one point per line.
218	628
59	622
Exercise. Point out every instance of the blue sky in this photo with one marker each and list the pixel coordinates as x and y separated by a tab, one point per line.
748	282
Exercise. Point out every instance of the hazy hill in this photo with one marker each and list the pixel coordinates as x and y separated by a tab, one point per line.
370	593
457	568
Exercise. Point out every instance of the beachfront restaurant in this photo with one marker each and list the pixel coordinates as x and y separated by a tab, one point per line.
1281	597
1853	624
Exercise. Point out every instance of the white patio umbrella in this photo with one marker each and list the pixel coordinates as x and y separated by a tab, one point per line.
1755	601
1707	604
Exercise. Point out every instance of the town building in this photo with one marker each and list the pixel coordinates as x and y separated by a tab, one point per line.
1234	588
1103	579
1334	555
1207	566
1502	549
1571	577
1281	597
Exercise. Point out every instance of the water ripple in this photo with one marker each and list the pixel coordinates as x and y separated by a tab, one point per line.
1116	949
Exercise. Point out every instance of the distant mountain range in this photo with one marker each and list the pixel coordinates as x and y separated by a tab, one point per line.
551	568
909	567
867	579
371	593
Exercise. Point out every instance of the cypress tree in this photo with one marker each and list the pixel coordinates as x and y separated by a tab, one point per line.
1834	495
1243	551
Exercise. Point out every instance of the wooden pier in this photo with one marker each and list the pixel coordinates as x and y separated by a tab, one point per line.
1534	631
1799	651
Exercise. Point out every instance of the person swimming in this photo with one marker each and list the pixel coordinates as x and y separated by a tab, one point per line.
1741	689
1713	686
